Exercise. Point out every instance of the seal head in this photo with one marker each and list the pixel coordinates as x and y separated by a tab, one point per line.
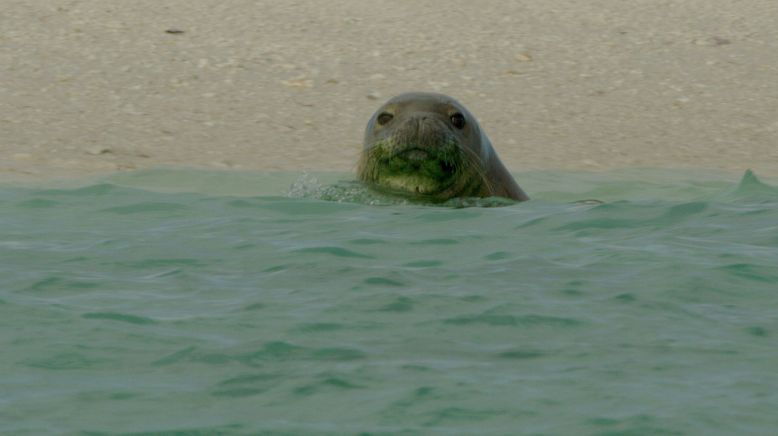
429	147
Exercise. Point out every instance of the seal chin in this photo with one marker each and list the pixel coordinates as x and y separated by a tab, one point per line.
409	184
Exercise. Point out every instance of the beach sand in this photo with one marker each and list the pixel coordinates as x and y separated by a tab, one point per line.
90	87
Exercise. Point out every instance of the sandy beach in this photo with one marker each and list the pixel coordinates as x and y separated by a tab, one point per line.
90	87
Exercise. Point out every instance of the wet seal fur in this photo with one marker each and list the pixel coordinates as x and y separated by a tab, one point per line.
428	147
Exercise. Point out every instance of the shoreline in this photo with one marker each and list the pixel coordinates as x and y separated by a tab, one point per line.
188	178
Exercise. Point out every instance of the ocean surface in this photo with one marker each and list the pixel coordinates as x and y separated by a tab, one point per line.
196	303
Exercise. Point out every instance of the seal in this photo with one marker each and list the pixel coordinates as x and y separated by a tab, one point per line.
429	147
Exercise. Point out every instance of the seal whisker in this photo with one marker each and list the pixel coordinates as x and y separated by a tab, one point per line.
472	163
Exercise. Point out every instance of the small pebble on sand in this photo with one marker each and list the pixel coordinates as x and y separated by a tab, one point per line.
98	150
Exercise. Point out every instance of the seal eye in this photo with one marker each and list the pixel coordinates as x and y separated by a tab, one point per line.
384	118
458	120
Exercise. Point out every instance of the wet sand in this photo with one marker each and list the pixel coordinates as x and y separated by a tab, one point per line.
89	87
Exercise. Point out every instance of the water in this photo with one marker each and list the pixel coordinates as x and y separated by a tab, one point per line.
130	305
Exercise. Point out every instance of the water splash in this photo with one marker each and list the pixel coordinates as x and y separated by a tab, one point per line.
306	186
352	191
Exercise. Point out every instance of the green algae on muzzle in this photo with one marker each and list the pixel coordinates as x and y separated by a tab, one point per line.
412	171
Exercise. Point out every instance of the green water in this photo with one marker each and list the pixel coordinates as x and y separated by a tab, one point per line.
128	305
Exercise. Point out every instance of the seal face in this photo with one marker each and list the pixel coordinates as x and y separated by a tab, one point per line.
429	147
